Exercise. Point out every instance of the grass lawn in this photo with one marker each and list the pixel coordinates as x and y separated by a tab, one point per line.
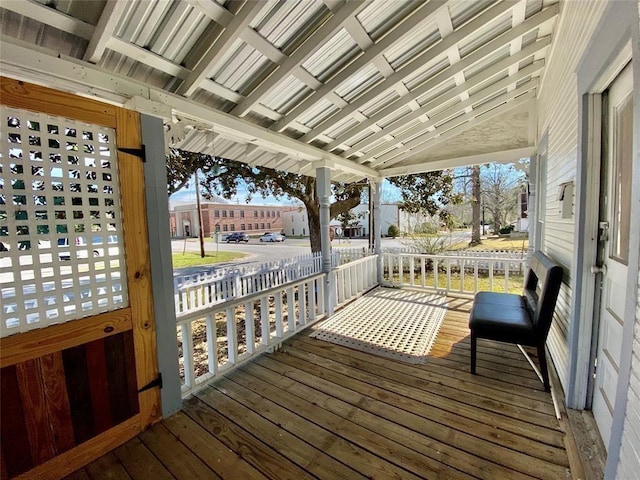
193	259
496	243
516	282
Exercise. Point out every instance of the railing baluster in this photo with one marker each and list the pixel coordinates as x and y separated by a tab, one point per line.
277	298
212	344
264	320
187	352
232	336
448	274
249	327
302	304
491	275
311	300
423	272
320	289
411	269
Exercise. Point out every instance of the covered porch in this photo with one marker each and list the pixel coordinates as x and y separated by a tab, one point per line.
314	409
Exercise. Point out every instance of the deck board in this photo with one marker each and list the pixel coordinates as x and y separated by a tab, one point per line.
319	410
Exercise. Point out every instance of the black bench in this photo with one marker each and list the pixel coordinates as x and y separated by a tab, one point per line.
520	319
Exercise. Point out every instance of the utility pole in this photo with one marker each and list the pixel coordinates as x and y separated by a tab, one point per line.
200	231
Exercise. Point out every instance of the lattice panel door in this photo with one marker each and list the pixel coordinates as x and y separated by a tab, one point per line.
62	246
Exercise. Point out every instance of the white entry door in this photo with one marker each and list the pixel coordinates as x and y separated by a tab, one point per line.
615	218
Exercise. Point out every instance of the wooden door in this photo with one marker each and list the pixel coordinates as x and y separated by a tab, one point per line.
615	218
75	263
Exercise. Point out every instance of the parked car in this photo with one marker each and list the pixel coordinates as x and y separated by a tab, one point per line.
272	237
237	237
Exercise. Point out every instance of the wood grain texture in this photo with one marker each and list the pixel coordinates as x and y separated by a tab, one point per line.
58	408
34	404
116	376
77	380
318	410
41	99
131	174
45	341
140	463
99	386
17	451
79	456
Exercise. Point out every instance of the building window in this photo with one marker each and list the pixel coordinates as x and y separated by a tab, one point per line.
225	228
268	213
232	226
262	214
262	226
293	231
232	213
278	214
242	226
249	227
241	213
255	213
224	214
257	226
268	226
273	214
304	232
216	213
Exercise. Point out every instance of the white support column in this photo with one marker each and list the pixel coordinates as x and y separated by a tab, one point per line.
376	194
323	191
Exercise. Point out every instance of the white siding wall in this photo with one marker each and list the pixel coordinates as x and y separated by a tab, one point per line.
558	113
630	451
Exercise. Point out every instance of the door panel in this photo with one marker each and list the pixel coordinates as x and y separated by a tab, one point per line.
70	391
615	217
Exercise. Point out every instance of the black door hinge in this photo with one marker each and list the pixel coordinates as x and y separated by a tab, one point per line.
137	152
157	382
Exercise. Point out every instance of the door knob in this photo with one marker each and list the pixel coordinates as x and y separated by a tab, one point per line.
596	269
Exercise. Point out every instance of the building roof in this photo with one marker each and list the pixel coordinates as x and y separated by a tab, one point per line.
368	88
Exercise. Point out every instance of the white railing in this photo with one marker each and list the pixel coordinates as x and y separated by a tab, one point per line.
195	293
354	278
453	273
227	324
227	334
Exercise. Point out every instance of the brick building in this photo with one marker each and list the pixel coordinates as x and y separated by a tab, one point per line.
227	218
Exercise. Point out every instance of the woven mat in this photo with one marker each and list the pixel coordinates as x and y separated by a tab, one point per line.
392	323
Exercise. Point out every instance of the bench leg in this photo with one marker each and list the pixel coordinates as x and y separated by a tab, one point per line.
473	352
542	359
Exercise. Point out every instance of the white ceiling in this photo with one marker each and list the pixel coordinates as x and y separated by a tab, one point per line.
368	88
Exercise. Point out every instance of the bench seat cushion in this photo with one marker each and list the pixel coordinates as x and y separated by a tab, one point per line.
499	298
504	323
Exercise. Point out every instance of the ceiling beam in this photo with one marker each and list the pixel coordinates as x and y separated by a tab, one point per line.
30	63
311	45
213	10
419	17
452	112
111	14
454	127
220	47
51	17
147	57
417	63
452	94
503	156
440	78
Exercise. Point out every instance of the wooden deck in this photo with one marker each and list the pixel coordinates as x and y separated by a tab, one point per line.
318	410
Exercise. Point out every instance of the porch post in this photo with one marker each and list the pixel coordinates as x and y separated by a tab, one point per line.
155	173
532	213
376	194
323	192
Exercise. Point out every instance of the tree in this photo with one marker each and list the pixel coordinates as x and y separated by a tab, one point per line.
475	205
500	187
427	192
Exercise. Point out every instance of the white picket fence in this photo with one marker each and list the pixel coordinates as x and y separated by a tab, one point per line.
201	291
451	273
227	318
225	335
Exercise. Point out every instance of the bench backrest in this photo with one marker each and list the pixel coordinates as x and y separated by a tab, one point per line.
541	289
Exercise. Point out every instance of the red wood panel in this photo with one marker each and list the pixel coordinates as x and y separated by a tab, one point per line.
34	404
97	367
55	389
117	375
132	381
77	380
15	443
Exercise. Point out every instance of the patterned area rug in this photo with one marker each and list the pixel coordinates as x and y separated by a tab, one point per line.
393	323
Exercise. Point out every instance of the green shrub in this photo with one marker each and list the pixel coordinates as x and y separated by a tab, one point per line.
393	231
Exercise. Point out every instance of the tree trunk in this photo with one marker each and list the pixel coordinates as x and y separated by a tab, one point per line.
475	206
313	214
